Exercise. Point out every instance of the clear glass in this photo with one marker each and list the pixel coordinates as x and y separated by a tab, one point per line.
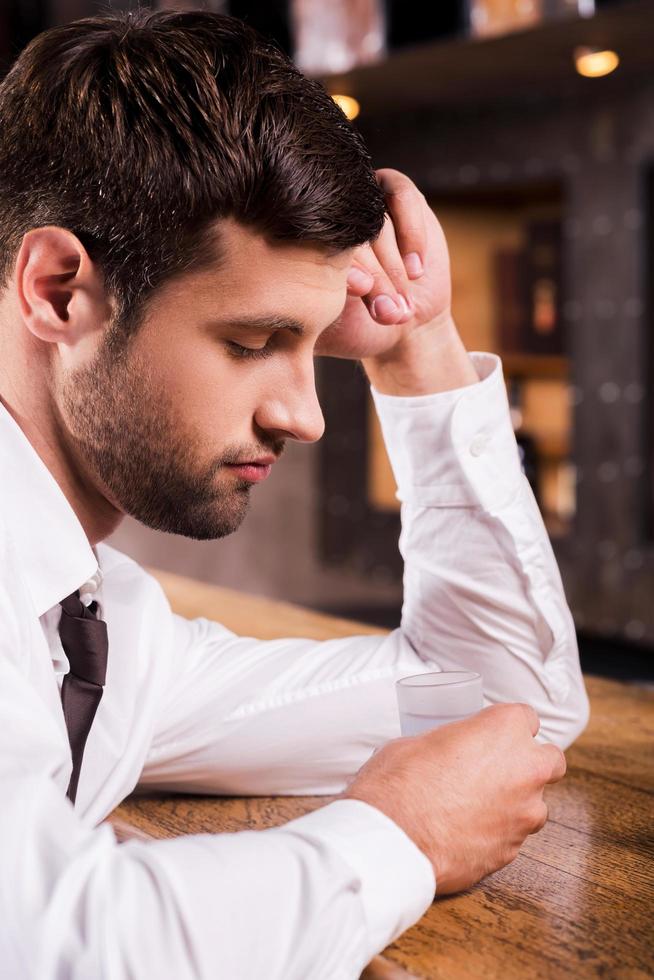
429	700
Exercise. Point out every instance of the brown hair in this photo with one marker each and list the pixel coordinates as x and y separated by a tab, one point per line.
137	131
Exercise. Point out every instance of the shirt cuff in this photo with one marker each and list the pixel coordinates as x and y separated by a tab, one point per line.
454	448
397	882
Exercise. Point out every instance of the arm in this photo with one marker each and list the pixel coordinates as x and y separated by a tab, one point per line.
481	586
515	604
289	903
492	596
481	591
246	716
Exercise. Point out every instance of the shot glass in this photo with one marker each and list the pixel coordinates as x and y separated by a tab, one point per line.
429	700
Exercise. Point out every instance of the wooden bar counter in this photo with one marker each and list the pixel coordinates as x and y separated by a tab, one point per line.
577	902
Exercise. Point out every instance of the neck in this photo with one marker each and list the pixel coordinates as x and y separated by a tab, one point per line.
25	393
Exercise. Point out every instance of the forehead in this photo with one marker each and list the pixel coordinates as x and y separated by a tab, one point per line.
247	257
255	278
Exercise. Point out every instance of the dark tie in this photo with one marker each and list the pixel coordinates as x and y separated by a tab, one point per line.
84	639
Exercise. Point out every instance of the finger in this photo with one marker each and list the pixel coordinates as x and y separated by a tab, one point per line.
556	760
383	301
540	818
406	205
532	718
388	254
359	281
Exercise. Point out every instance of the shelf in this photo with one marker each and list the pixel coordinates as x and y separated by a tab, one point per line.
535	366
519	68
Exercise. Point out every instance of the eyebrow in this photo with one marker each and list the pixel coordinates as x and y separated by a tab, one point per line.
262	323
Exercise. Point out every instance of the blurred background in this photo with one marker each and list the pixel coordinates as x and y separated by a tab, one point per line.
529	126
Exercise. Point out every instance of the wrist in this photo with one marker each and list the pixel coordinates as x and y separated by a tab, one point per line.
431	358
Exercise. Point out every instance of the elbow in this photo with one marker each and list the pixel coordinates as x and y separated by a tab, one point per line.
566	720
567	712
576	722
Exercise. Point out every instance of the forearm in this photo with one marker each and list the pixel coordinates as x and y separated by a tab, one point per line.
313	893
430	359
476	551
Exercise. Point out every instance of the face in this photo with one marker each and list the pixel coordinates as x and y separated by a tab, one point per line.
206	383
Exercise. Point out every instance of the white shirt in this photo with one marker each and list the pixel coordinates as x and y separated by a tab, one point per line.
188	705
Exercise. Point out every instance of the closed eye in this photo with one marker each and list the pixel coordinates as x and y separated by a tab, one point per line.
248	353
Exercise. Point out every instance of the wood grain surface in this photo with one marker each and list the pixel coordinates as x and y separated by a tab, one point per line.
578	902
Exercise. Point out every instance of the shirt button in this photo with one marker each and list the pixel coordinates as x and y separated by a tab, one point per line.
92	585
479	444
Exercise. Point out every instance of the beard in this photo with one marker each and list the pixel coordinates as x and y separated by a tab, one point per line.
121	429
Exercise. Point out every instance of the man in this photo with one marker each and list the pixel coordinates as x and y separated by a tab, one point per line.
185	222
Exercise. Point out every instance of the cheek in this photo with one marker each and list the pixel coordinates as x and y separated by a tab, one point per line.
212	394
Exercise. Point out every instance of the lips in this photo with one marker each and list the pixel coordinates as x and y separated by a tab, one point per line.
263	461
253	472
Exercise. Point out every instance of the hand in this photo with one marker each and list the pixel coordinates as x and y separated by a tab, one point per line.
468	793
365	328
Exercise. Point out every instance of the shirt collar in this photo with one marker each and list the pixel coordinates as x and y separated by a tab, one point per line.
54	552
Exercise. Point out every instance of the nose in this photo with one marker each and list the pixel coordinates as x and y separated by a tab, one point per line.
291	408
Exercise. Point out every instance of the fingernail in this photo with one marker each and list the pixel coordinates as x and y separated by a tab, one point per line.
413	264
406	308
384	306
359	279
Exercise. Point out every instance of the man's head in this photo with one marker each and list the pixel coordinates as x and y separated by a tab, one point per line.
160	173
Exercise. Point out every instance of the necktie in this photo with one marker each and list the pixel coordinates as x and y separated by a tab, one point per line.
84	639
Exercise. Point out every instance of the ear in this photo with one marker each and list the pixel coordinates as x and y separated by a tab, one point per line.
60	291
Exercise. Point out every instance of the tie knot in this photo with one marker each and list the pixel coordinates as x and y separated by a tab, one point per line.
84	639
72	604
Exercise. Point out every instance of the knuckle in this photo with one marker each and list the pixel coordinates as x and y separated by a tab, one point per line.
397	275
405	191
528	713
496	714
496	707
380	281
511	711
535	817
557	762
542	770
527	709
383	286
411	232
511	853
540	816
